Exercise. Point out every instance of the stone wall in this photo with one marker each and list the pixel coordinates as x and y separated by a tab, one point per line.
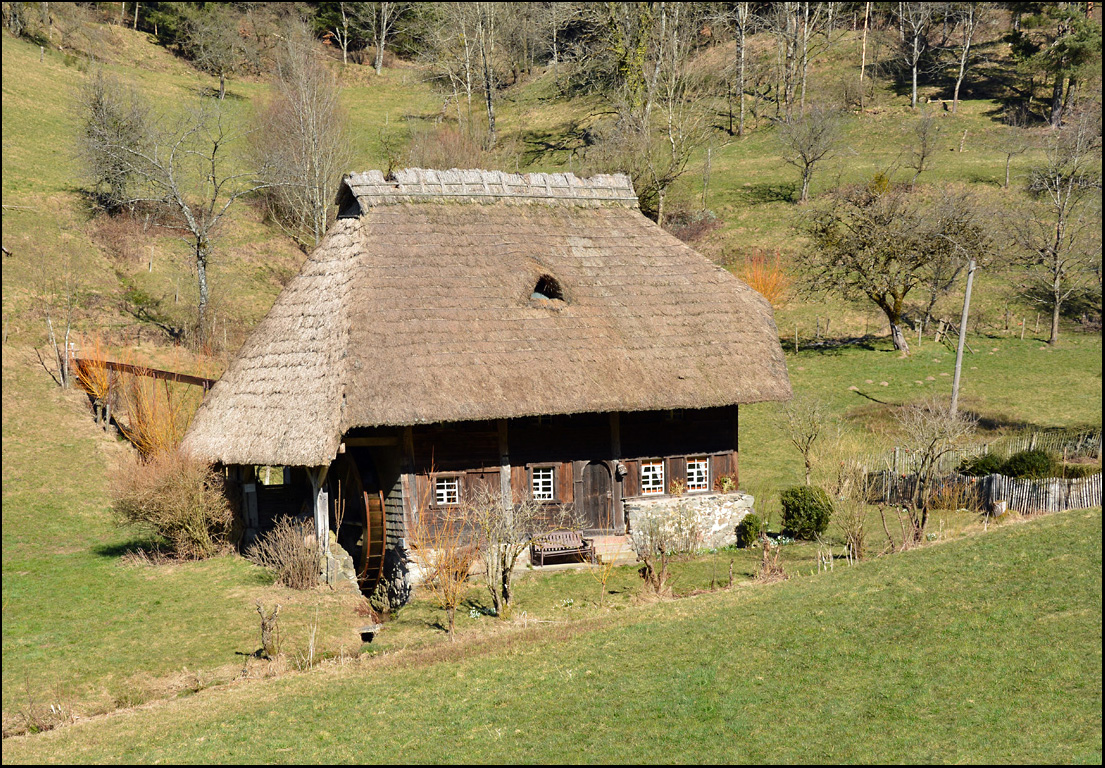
698	521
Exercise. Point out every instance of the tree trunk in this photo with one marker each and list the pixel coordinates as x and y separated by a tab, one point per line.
1056	118
507	592
1054	338
201	277
898	337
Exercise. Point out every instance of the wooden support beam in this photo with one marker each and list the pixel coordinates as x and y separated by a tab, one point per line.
321	505
407	481
504	466
371	442
616	481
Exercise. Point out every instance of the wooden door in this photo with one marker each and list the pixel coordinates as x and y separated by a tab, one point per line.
596	506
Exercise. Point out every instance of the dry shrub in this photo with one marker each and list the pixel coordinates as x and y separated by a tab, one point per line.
178	498
767	275
851	518
158	412
123	238
691	225
445	550
291	551
446	147
93	376
954	494
771	566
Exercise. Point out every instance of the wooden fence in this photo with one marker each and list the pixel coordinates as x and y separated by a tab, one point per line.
1062	443
1051	494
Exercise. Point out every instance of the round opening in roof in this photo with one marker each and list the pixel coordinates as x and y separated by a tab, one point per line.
547	288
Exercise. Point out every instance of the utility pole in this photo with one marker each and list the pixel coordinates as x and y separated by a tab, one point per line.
962	337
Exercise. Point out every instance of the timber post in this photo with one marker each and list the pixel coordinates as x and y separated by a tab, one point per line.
504	467
320	500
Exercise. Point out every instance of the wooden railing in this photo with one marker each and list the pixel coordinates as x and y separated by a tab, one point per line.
142	370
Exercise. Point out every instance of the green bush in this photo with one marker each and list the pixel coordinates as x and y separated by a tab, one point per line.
980	466
1030	464
749	530
806	511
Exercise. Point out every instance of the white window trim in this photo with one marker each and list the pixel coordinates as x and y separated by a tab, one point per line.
706	481
551	481
653	491
455	479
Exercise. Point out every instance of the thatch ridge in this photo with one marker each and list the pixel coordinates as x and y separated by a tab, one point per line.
473	185
424	311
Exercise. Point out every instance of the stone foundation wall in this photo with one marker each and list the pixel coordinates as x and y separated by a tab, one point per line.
699	521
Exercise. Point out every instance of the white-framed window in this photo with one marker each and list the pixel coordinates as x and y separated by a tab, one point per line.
652	477
542	484
698	473
447	491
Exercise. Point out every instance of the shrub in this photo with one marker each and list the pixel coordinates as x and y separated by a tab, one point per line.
767	275
749	530
806	511
291	551
980	466
177	498
1074	471
1035	463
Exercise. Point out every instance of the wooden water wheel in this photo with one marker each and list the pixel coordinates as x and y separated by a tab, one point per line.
364	525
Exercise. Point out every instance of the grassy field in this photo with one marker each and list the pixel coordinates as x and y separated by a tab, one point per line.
936	655
986	649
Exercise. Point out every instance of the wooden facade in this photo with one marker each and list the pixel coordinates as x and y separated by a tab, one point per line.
588	463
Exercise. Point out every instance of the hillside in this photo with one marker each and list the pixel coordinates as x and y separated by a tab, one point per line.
935	655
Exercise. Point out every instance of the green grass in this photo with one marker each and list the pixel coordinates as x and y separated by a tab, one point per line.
76	617
986	649
1009	383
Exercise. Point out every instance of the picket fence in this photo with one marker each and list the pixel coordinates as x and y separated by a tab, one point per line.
984	493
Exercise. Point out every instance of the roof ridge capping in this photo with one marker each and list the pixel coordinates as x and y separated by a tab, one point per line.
408	185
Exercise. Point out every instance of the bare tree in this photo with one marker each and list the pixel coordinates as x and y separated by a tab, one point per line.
445	553
302	139
796	27
503	532
211	40
1056	237
109	115
57	291
190	168
741	19
345	22
930	430
803	421
449	37
1012	141
967	16
384	18
926	132
662	115
880	242
486	21
809	140
916	20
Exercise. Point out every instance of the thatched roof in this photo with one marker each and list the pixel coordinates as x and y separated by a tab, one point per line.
420	306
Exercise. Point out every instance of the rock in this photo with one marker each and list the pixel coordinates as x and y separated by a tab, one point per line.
337	567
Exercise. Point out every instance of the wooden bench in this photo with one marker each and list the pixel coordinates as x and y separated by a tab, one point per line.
561	543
